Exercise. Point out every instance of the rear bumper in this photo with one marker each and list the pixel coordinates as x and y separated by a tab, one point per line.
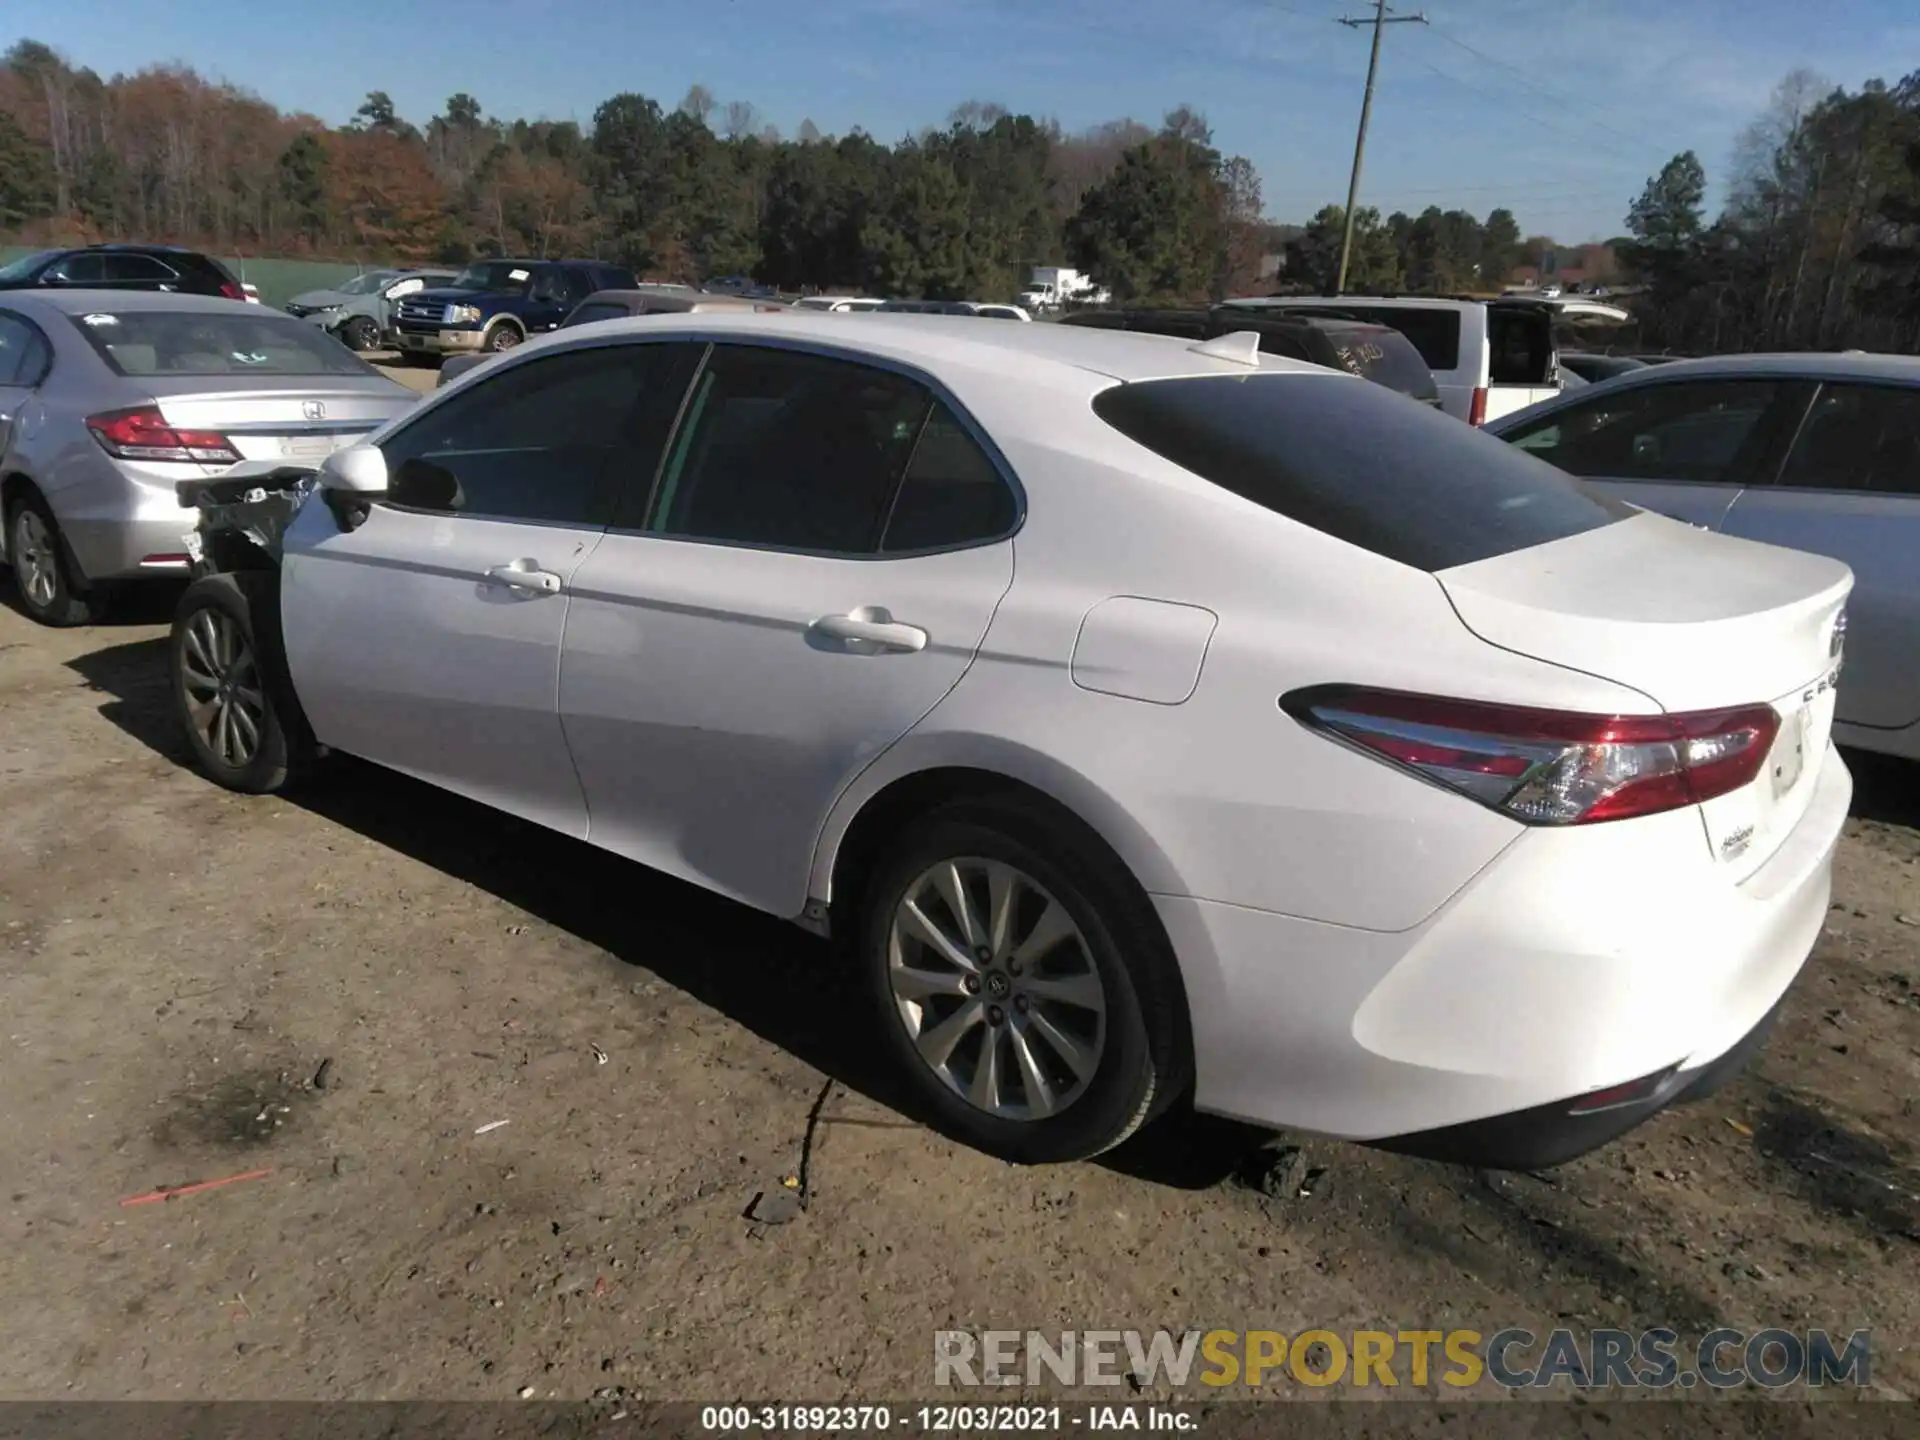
1556	1133
117	518
439	342
1576	961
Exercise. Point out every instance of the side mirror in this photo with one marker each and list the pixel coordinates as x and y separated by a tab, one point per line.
358	472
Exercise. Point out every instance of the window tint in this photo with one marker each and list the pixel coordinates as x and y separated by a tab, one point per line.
1382	355
126	269
1435	333
1706	430
1358	463
789	450
1859	437
551	440
1520	343
23	352
952	494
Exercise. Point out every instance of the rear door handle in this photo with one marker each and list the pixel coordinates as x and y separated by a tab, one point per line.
871	626
524	575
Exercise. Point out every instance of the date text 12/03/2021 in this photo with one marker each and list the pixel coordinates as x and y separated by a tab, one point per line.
944	1419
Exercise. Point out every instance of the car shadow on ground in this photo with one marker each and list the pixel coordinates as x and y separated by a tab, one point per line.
788	987
142	603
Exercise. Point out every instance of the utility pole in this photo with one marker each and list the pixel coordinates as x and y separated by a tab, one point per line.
1379	21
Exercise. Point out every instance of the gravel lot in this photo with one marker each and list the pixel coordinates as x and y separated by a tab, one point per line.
344	989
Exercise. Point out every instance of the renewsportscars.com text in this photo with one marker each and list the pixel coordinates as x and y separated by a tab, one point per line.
1514	1358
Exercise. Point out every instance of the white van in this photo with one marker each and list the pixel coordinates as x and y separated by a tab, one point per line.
1488	357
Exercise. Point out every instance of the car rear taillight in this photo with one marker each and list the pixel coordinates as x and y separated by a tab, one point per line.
1477	407
1549	767
232	291
144	434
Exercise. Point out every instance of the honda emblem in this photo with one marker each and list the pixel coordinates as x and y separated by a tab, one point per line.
313	410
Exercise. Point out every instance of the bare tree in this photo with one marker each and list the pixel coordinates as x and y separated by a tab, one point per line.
697	103
809	133
739	119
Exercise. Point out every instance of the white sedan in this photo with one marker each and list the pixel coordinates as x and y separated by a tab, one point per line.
1149	720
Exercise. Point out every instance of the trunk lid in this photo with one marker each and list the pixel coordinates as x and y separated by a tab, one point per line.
282	418
1695	621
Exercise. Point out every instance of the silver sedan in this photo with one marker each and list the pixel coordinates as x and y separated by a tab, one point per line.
1814	452
109	398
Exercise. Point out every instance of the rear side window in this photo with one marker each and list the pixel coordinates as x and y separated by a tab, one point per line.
1858	437
1359	464
132	268
952	494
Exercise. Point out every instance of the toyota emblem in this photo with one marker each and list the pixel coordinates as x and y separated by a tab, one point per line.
313	410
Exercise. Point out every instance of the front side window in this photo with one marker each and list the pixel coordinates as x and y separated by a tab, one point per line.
789	450
551	440
1706	431
1859	437
85	269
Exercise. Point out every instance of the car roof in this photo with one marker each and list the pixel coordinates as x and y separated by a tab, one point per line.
1811	365
1030	352
81	301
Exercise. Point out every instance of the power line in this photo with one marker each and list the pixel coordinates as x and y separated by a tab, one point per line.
1553	97
1380	22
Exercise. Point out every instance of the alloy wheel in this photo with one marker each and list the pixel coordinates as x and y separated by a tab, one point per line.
225	703
35	564
996	988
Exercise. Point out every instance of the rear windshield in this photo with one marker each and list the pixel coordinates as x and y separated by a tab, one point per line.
1435	333
1384	356
182	342
594	310
1359	464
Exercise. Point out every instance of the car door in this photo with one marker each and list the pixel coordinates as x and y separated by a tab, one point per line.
811	574
1681	449
551	296
428	638
1850	488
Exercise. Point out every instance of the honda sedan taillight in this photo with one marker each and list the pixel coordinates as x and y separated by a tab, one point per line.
1549	767
144	434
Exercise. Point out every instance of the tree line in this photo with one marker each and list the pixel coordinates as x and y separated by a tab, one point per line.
1818	243
689	192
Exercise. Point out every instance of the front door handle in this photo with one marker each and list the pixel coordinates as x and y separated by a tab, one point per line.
525	575
871	629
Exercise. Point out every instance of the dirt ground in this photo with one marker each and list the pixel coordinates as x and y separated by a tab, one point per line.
344	990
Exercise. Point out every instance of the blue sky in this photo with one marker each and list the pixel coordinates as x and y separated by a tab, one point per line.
1557	110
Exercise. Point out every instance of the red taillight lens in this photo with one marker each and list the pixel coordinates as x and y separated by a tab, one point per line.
232	291
1550	767
144	434
1477	408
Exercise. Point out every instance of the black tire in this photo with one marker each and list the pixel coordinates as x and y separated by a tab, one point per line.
360	334
226	632
1144	1063
503	336
44	579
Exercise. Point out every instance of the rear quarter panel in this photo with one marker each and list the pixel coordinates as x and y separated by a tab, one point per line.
1221	797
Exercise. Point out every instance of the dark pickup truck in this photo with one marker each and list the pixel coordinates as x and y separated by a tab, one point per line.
495	304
